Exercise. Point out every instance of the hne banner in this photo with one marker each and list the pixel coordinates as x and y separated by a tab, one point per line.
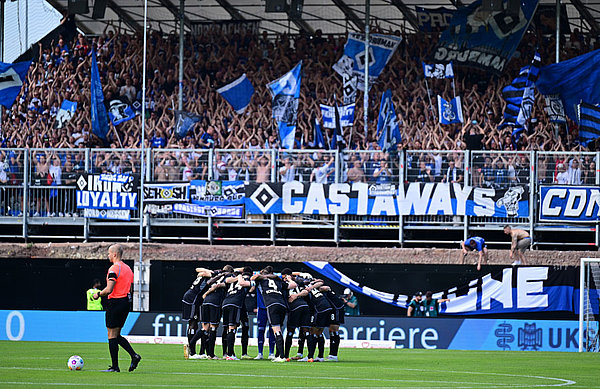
520	289
569	204
484	39
385	199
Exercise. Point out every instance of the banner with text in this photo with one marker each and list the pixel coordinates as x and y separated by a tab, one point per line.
385	199
217	192
106	191
166	192
569	203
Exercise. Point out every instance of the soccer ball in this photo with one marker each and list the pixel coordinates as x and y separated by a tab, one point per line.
75	363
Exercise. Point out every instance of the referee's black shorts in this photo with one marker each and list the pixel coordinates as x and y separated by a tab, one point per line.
116	312
299	317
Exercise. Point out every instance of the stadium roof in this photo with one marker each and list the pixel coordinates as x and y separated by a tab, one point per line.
331	16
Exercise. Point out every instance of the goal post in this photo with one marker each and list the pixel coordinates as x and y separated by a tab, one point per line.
589	304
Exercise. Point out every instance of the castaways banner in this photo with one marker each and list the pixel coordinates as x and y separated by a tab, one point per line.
569	203
484	39
386	199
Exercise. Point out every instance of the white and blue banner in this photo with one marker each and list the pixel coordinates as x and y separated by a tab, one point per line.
12	78
106	191
569	204
98	110
220	211
433	20
106	200
65	113
514	290
438	70
386	199
450	112
216	192
119	112
352	62
238	93
286	94
166	192
482	39
107	214
346	113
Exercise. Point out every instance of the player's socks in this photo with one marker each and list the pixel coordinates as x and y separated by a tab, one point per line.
312	345
194	340
334	343
245	338
279	345
126	346
261	339
321	343
231	343
224	341
288	341
113	348
190	334
301	340
203	342
212	340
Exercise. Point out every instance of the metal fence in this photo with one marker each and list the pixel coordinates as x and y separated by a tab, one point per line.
37	193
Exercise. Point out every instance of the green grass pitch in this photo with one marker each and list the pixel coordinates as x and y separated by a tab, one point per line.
44	365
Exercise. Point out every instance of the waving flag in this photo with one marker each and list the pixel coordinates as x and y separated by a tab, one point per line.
346	113
388	128
319	139
555	109
184	121
520	98
286	93
119	112
450	112
438	70
12	77
65	113
99	119
589	123
337	140
238	93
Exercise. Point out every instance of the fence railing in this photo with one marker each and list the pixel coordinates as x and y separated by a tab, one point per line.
38	189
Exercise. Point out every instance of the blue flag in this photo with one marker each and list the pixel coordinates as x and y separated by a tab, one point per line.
438	70
381	49
575	80
328	114
589	123
388	128
12	77
520	98
184	121
238	93
450	112
346	113
65	113
319	139
99	119
286	93
119	112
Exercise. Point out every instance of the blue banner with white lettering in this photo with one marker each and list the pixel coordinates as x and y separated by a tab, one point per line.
12	78
210	193
569	203
360	198
219	211
484	39
352	62
434	19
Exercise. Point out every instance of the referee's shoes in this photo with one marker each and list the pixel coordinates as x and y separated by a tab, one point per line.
134	361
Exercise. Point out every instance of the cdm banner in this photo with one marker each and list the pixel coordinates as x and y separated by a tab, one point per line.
412	333
484	39
386	199
569	203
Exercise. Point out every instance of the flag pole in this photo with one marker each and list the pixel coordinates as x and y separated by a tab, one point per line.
366	83
429	97
142	163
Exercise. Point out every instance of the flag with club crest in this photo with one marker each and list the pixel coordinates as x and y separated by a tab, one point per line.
286	93
12	78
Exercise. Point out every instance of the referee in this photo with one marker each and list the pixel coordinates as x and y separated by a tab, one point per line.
118	285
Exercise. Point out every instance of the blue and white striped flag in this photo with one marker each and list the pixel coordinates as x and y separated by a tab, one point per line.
438	70
450	112
589	123
12	77
238	93
286	93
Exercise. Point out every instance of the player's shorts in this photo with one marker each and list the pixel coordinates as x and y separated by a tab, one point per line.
231	315
523	244
211	314
322	319
338	317
276	315
116	312
244	317
191	311
299	317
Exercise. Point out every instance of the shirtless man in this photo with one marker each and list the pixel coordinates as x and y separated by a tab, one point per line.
520	241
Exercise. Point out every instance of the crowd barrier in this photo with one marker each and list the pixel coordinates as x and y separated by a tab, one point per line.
556	191
358	331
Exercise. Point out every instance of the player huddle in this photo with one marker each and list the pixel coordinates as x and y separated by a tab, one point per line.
308	304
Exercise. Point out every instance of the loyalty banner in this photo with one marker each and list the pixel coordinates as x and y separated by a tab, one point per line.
484	39
217	192
106	191
514	290
166	192
569	203
385	199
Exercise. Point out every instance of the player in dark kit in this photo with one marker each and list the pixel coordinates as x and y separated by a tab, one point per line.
338	305
237	288
299	311
274	293
191	304
322	316
211	311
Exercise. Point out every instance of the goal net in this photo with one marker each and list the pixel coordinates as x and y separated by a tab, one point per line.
589	302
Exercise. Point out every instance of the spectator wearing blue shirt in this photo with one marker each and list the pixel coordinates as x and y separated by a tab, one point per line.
472	244
158	140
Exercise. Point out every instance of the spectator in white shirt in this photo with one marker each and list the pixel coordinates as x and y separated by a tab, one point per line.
287	171
562	178
320	174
